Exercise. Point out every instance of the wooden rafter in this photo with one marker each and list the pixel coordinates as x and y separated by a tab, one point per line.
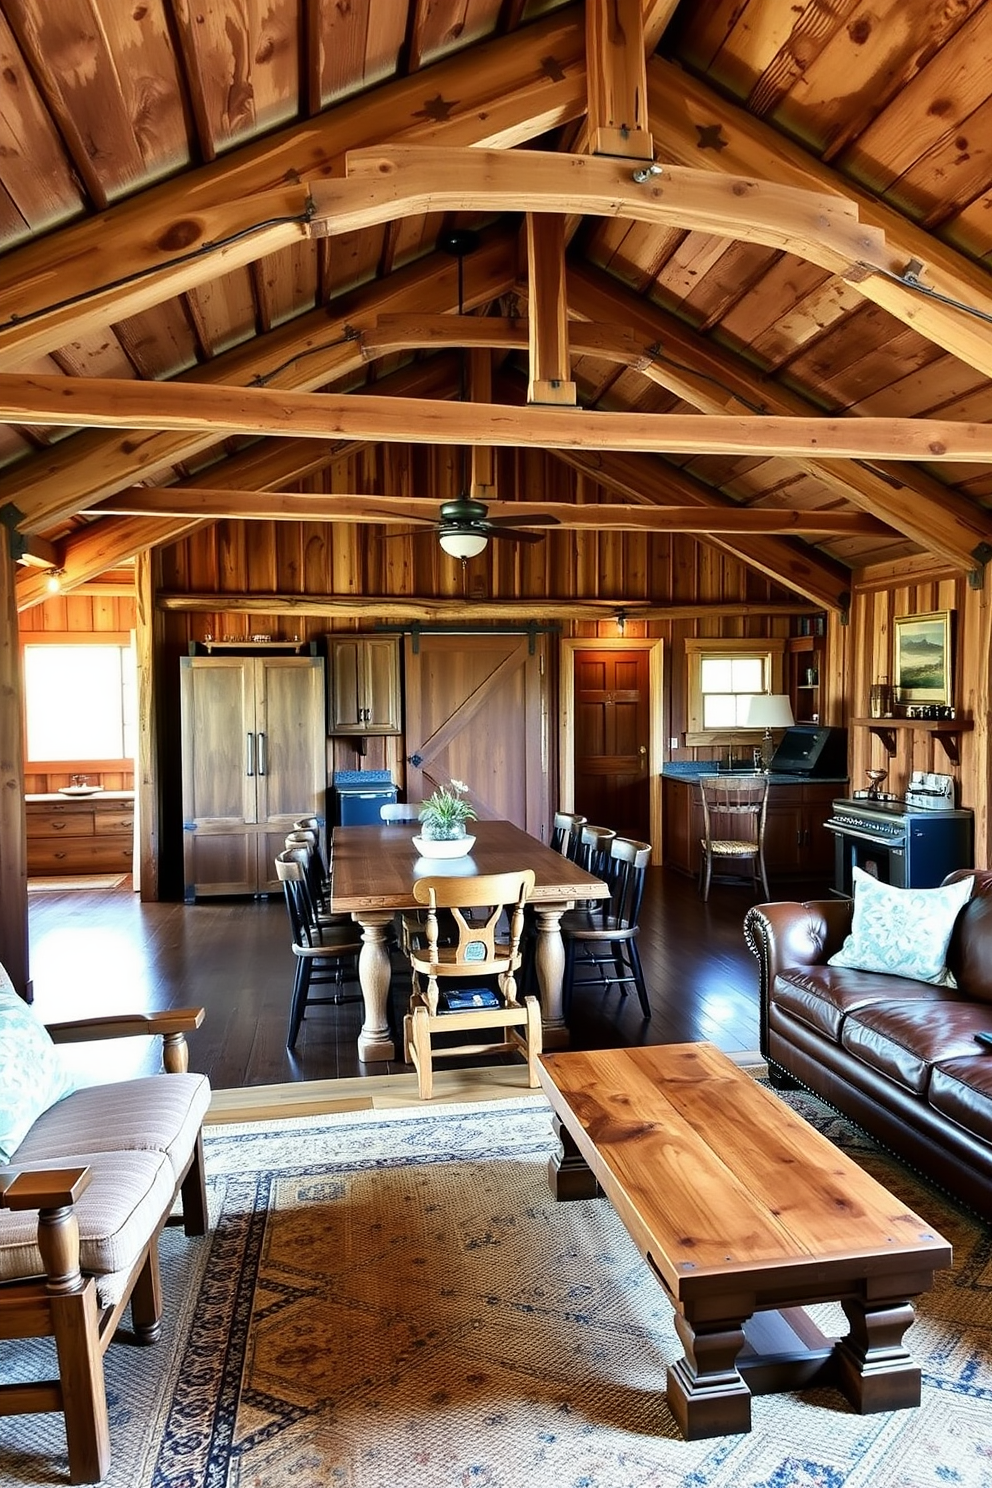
502	94
617	80
684	111
98	547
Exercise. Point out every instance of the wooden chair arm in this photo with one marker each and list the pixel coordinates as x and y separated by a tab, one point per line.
47	1188
172	1025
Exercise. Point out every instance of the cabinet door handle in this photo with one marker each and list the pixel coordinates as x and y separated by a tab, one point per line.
250	766
261	754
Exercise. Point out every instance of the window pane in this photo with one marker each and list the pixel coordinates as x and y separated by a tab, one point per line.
748	674
716	674
75	702
719	710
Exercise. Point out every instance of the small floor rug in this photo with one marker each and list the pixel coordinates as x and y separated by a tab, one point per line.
63	882
391	1299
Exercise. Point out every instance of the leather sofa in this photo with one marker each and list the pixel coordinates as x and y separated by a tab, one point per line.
898	1056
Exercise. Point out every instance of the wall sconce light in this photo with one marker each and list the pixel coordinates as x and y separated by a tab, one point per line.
621	618
53	583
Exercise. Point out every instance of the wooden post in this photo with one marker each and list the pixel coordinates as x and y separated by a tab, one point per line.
146	765
616	79
13	827
550	380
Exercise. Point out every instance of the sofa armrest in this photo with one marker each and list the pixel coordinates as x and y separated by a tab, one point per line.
790	934
171	1025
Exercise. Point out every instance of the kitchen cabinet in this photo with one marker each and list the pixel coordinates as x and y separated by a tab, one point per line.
804	658
253	760
797	844
364	688
80	834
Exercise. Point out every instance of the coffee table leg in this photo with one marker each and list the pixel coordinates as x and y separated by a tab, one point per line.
874	1369
569	1175
706	1394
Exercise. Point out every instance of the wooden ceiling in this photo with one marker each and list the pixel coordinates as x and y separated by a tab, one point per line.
220	266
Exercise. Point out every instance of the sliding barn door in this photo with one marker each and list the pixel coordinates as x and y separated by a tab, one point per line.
476	710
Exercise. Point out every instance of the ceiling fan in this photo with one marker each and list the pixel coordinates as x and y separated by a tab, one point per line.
464	527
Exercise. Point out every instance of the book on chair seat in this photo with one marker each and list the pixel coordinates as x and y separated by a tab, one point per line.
464	999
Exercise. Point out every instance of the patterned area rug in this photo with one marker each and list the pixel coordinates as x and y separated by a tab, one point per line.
61	884
393	1300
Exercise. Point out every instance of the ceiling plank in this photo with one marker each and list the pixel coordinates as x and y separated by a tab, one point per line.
204	502
685	114
498	94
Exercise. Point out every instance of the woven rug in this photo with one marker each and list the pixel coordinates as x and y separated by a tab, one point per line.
393	1300
62	883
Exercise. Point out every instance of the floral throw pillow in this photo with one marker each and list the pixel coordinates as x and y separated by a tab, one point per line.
32	1074
903	932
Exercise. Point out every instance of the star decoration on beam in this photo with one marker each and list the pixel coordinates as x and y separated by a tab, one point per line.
437	109
711	137
553	69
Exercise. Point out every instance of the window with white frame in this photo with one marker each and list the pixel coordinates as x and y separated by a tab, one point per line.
79	702
723	676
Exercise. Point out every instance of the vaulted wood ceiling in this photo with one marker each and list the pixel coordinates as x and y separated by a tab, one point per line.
732	346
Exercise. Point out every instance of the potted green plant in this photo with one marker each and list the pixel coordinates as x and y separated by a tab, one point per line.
443	817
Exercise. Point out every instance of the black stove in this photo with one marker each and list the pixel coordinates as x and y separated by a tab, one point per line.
898	841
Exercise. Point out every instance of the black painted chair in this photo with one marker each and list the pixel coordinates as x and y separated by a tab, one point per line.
566	834
601	942
326	955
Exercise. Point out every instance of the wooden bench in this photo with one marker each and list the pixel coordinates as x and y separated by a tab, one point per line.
746	1215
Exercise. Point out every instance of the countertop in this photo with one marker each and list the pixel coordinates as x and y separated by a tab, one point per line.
100	795
691	770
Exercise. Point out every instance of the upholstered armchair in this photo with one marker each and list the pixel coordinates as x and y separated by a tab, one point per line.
89	1177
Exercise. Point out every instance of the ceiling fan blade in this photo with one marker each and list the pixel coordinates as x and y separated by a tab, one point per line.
514	534
541	520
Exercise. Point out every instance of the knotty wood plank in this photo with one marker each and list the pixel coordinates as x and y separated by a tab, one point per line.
39	180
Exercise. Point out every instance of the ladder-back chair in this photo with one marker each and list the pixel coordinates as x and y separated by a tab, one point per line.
477	907
734	811
602	940
325	955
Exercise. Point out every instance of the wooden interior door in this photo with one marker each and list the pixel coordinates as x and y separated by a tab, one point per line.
476	710
612	732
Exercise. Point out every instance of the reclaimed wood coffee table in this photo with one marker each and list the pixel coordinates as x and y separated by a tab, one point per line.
745	1215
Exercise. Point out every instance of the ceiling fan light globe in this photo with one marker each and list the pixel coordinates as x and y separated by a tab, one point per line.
463	544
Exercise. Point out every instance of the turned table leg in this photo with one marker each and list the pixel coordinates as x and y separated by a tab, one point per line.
874	1368
549	963
374	974
706	1394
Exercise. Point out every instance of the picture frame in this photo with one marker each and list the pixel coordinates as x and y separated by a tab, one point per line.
922	663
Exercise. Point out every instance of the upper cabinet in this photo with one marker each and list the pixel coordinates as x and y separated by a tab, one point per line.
804	659
364	690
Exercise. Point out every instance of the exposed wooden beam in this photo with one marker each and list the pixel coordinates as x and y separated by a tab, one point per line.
550	371
224	411
791	563
712	379
311	351
387	607
91	550
396	511
36	552
685	112
403	180
13	829
498	94
617	79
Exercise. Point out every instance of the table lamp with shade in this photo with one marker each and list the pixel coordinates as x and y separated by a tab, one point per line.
769	710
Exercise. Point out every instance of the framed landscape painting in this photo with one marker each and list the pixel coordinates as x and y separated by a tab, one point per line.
922	668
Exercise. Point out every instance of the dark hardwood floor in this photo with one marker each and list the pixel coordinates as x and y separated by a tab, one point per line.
96	951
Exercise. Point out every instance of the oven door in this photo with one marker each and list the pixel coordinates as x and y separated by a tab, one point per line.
885	861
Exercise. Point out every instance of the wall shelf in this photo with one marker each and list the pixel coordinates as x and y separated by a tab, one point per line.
948	731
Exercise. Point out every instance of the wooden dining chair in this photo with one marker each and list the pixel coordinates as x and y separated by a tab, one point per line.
601	942
566	834
471	984
325	954
734	811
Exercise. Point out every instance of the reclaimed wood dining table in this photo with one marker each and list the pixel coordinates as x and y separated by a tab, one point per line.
373	870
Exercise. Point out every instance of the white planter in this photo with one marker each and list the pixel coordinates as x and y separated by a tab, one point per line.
444	847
